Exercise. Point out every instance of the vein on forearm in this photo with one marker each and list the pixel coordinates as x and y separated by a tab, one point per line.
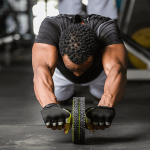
114	86
48	83
44	87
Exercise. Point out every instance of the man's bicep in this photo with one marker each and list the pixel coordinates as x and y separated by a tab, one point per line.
44	55
114	55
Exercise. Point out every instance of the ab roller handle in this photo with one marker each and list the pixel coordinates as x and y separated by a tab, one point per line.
79	116
78	120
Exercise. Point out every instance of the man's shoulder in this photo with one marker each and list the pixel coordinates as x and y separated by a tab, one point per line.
93	17
94	20
61	20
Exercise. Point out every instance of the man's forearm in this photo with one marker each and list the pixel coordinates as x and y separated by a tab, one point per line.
114	87
44	87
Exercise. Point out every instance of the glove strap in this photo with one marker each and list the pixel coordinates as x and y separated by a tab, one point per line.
52	104
106	107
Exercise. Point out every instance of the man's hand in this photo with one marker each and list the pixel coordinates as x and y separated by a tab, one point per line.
99	117
56	117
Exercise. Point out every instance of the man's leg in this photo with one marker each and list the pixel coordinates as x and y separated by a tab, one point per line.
70	7
64	88
97	99
96	87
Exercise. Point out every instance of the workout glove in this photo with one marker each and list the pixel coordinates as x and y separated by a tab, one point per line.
56	117
99	116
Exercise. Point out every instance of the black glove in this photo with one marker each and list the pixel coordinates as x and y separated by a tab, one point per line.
101	116
54	116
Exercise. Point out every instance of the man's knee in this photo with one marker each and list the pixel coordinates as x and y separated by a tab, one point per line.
62	102
97	98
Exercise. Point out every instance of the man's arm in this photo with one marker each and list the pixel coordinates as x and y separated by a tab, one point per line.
44	60
114	59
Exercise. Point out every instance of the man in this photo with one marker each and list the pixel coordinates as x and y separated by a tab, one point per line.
87	50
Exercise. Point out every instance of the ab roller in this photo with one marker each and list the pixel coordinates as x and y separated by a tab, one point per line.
78	120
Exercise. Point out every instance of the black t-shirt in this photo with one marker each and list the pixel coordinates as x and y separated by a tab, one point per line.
106	30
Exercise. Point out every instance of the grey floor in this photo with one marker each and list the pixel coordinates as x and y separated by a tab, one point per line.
22	128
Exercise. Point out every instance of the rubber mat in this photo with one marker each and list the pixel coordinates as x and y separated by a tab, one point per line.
124	137
22	127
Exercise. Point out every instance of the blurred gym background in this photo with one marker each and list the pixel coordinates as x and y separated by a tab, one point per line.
20	21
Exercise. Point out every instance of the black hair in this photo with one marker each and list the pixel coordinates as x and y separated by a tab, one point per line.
78	42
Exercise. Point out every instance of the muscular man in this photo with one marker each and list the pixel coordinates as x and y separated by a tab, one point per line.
79	49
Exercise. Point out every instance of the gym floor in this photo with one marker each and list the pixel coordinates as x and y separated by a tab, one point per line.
22	127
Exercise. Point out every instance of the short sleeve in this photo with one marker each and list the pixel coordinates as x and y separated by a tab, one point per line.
109	33
49	32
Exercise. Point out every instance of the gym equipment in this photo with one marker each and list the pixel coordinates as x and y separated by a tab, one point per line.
135	33
78	120
142	37
142	54
136	62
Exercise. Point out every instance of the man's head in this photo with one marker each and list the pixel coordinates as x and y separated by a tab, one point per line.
78	44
